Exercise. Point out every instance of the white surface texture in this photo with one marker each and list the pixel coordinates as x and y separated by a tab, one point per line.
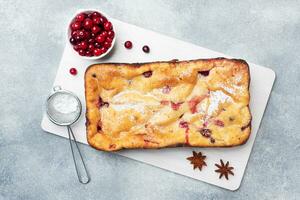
166	48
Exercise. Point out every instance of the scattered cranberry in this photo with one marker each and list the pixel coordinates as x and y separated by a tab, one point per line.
107	26
146	49
75	26
80	17
73	71
128	44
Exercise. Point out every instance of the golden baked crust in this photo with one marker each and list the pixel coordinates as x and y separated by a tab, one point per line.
203	103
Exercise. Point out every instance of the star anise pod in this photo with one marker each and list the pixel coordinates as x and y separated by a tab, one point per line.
197	160
224	170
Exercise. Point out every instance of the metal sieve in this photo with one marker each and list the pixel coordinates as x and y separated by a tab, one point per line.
64	109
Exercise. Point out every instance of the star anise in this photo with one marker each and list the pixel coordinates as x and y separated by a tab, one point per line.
197	160
224	170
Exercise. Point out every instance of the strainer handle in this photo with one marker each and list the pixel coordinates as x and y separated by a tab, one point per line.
83	175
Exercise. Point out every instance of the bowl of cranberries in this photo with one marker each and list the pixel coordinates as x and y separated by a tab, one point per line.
91	34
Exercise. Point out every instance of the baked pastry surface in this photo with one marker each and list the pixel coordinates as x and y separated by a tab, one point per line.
203	103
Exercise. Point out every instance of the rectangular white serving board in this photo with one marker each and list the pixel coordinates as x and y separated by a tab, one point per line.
166	48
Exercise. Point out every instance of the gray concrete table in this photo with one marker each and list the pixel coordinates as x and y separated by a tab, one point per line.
35	165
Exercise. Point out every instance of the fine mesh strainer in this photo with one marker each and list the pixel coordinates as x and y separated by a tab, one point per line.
64	109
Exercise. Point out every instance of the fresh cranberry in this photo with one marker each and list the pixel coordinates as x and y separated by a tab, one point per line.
102	20
72	40
97	20
147	74
111	34
104	34
77	38
80	17
74	33
81	52
83	45
107	44
103	49
96	14
97	52
146	49
100	38
175	106
97	45
73	71
91	47
95	29
90	15
81	34
75	26
108	39
128	44
76	47
107	26
93	35
87	23
91	40
88	53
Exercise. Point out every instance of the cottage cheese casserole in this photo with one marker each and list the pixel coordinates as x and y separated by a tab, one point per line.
201	103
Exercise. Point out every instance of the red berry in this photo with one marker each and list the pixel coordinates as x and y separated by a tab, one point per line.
102	20
72	40
146	49
107	26
108	39
104	34
74	33
97	45
77	38
93	35
100	38
91	47
87	23
83	45
81	52
111	34
96	20
88	53
95	29
128	44
80	17
81	34
91	40
97	52
76	47
90	15
73	71
106	44
96	14
75	26
103	49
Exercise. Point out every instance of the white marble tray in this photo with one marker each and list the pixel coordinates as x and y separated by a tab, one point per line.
166	48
